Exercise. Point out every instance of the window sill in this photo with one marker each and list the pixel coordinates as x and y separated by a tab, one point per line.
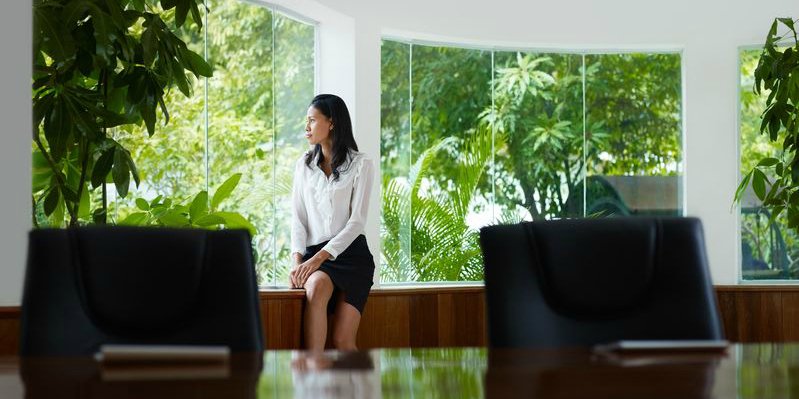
384	290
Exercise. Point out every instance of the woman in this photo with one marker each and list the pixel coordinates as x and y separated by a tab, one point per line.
332	184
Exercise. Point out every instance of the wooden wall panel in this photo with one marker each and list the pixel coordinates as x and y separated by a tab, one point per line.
281	318
470	320
455	316
423	321
790	316
759	313
755	320
385	322
445	315
9	330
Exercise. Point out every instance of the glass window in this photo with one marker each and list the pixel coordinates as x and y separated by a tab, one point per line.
474	137
435	182
539	117
768	250
633	134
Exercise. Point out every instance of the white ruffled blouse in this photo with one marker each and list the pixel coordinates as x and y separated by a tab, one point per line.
326	209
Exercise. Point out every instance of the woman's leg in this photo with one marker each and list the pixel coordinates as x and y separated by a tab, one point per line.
345	325
318	290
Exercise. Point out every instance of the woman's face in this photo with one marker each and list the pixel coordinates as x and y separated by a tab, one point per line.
317	127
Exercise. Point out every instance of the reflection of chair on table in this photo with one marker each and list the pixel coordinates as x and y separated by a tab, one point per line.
544	376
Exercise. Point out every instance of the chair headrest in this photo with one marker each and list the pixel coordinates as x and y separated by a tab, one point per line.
140	281
595	268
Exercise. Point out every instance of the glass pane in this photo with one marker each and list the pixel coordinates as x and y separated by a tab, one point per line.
538	120
294	89
241	130
395	161
633	135
768	251
451	88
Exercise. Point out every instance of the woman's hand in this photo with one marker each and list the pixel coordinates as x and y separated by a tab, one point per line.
297	261
301	273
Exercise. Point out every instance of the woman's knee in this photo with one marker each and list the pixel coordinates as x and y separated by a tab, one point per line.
343	342
318	289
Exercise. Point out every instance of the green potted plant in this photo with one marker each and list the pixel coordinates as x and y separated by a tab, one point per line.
777	74
101	64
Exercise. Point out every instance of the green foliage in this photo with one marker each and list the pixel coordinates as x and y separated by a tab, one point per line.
769	238
230	124
537	105
444	246
100	65
163	211
777	73
561	122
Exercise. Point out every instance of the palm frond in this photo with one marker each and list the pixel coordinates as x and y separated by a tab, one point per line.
421	167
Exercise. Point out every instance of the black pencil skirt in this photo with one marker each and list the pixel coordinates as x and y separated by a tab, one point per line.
351	272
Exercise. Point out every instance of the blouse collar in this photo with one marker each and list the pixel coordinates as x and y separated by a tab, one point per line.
351	156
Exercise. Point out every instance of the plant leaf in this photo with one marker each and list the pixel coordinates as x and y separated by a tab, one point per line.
209	220
179	78
51	201
58	129
224	190
142	204
84	209
131	164
134	219
766	162
121	174
173	218
195	14
235	220
199	206
149	46
195	63
181	12
759	181
102	167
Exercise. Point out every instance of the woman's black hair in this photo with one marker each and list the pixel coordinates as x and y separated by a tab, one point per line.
333	108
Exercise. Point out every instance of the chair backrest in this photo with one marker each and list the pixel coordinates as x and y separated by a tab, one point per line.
581	282
90	286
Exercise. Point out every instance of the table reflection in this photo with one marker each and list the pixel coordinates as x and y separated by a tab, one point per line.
334	375
745	372
579	373
768	371
386	373
78	377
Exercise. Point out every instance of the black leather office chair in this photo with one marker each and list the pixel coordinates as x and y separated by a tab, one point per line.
582	282
124	285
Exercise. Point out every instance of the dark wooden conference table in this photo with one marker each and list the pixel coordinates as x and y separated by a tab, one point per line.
743	371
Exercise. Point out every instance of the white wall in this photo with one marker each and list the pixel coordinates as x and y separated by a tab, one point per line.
708	32
15	147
